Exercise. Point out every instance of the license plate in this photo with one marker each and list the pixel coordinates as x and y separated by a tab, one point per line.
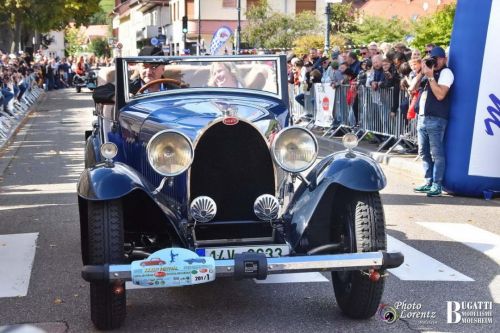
228	252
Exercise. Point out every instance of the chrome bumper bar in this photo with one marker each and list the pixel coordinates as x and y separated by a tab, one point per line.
237	267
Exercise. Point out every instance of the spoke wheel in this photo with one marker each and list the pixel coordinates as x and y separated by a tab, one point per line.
105	246
363	227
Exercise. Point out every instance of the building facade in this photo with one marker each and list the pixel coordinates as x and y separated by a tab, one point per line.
137	22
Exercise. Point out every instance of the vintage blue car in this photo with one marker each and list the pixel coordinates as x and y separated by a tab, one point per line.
196	157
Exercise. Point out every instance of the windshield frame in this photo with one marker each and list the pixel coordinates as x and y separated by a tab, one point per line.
122	77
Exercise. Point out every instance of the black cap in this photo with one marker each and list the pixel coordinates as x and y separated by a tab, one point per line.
151	51
324	59
349	72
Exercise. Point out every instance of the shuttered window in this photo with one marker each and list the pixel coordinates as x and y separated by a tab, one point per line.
190	9
251	3
229	3
303	5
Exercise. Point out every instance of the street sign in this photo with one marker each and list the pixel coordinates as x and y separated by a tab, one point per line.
119	45
162	39
154	41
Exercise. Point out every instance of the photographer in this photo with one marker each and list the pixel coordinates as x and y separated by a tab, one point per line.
434	107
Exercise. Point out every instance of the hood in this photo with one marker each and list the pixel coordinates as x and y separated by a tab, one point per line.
190	113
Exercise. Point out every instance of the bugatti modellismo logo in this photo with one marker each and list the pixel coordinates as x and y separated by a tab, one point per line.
326	103
230	121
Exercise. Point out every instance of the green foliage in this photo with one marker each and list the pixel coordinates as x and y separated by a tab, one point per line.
304	43
343	18
102	16
73	40
268	29
378	29
435	28
100	47
45	16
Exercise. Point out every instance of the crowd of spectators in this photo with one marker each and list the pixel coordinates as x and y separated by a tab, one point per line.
50	73
373	66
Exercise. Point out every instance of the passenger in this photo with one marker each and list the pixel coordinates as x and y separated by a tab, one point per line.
224	75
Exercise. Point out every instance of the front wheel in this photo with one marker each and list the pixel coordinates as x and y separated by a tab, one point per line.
105	246
363	224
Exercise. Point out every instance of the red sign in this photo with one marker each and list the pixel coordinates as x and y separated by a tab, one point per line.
160	274
230	121
326	103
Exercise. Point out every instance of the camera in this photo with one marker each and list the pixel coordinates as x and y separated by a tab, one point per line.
430	62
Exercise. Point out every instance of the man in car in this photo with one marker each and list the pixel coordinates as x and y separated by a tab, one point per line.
147	72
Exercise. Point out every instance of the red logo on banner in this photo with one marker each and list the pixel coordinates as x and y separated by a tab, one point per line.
230	121
326	103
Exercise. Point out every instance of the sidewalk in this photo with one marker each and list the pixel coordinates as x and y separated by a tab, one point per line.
405	163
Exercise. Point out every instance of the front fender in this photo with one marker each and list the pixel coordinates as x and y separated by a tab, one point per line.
311	206
109	182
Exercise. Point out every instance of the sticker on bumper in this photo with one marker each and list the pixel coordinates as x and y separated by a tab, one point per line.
173	267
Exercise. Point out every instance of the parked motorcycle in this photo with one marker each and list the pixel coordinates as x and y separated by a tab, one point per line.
89	80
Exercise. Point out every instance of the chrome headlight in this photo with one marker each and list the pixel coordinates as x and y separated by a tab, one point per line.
170	153
295	149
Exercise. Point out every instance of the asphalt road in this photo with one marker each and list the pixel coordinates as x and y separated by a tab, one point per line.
39	171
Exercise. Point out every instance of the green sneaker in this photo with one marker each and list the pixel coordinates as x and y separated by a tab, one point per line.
423	188
435	191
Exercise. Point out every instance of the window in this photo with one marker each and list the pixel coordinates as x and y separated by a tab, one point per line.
251	3
190	9
229	3
303	5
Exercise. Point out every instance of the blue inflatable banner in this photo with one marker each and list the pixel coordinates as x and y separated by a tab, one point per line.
473	134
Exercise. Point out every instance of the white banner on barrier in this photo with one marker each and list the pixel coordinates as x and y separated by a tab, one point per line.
324	100
486	139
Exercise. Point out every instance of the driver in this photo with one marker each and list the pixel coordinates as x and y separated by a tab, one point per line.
147	72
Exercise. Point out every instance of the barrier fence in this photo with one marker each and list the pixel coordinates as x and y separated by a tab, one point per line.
380	112
15	110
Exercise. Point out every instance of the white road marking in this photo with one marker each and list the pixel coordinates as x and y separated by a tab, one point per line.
420	267
17	252
494	288
481	240
294	278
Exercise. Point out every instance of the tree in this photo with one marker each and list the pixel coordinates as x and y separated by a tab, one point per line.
378	29
306	42
100	47
435	28
73	40
268	29
44	16
343	17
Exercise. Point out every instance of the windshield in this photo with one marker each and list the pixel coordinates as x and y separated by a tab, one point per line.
156	75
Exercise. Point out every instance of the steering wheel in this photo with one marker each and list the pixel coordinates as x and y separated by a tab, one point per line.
158	81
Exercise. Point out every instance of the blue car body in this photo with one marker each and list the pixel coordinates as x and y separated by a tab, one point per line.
244	149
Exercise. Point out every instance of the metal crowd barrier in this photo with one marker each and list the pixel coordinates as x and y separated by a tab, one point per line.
16	110
374	117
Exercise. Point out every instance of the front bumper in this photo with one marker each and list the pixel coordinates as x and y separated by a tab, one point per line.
251	265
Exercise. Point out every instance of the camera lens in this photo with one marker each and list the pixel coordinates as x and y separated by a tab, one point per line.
430	62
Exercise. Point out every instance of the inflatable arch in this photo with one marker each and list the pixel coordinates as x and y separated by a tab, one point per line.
473	136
